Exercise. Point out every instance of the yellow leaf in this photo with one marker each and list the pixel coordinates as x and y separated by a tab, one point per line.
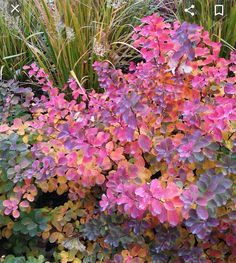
39	138
125	253
60	237
72	254
21	131
43	186
10	225
57	225
149	234
62	189
192	166
25	139
52	185
208	164
64	256
7	232
45	235
229	144
61	179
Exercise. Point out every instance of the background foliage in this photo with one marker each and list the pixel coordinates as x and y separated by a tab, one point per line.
72	34
220	28
69	36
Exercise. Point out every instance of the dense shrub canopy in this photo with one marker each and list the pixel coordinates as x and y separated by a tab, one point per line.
142	172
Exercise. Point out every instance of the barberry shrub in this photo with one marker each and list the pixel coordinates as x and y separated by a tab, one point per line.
146	168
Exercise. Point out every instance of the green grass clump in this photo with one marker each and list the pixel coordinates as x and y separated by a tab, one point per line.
69	35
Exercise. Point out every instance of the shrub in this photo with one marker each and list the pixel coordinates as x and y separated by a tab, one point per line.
142	172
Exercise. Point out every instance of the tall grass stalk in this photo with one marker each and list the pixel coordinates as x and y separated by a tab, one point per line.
14	52
69	35
78	32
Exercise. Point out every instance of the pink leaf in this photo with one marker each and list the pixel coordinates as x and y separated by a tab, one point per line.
144	143
156	207
72	174
26	67
117	155
202	201
104	203
7	211
24	204
230	89
169	206
156	189
16	213
140	192
173	217
100	179
4	128
7	203
31	73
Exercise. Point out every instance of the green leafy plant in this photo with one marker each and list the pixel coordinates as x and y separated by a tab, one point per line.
31	224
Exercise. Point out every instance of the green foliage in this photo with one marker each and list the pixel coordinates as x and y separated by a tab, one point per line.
15	157
31	223
13	259
79	32
15	52
69	36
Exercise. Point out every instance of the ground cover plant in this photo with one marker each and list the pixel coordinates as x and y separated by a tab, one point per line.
141	172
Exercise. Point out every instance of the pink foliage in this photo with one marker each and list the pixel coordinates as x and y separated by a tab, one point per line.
167	112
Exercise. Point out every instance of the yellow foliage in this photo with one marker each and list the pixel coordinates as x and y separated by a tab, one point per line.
25	139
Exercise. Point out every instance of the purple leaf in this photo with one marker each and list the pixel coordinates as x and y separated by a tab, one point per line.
144	143
202	212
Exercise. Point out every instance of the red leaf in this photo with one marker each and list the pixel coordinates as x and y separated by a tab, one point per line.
173	217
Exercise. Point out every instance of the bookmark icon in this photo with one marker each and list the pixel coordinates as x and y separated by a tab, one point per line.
219	10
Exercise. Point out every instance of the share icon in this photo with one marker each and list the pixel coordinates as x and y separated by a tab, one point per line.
187	10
